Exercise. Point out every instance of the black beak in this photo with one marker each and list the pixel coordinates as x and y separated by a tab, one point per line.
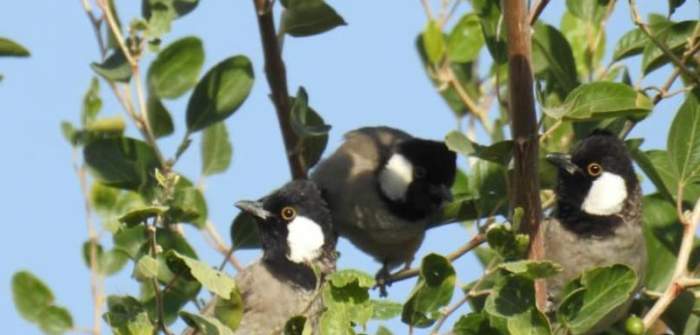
563	161
441	192
254	208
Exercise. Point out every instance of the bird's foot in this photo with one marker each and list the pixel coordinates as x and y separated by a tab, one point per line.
382	277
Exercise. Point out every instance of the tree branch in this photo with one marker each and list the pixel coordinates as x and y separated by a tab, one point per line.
680	279
526	183
277	80
476	241
537	10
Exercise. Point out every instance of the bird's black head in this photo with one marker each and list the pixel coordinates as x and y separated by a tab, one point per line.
416	178
294	223
594	183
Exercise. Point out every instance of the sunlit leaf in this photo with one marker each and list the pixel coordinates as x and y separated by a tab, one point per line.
176	68
216	150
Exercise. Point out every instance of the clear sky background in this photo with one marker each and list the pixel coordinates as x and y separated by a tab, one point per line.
366	73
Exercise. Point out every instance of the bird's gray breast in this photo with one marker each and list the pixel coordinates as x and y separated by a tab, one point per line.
269	302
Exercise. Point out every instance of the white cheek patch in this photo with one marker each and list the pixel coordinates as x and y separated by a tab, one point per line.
606	196
305	240
395	177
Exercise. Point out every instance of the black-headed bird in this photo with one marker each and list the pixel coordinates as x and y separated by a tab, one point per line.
298	245
598	219
385	188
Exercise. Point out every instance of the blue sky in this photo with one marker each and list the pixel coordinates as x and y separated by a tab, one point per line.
366	73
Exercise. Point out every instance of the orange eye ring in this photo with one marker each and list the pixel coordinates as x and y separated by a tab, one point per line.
594	169
288	213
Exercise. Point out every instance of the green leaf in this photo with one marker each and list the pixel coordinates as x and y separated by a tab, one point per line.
298	325
381	330
458	142
601	291
244	232
433	291
312	147
499	152
602	100
630	44
661	162
507	243
123	310
465	40
493	27
662	233
158	117
532	322
146	268
161	13
582	36
215	281
220	92
675	37
92	103
684	139
139	215
309	17
434	42
121	162
346	277
114	68
590	11
512	296
176	68
531	269
474	324
299	117
187	204
230	311
108	263
385	309
130	240
673	4
55	320
644	161
486	196
31	295
552	53
205	324
12	48
216	150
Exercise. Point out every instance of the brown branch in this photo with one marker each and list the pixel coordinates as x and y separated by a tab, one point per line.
680	279
277	80
672	56
476	241
537	9
219	245
526	183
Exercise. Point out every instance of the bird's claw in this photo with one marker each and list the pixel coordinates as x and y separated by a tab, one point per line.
382	279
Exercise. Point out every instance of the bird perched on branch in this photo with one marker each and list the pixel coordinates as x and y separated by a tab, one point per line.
384	188
298	248
598	216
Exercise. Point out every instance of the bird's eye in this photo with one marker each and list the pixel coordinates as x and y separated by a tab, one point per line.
419	172
288	213
594	169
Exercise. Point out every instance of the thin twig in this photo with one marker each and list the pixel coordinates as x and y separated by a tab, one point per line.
96	279
672	56
426	8
537	10
449	311
277	81
680	273
219	245
693	47
160	313
476	241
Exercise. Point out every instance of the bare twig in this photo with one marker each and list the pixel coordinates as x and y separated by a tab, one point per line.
277	81
693	47
426	8
476	241
449	311
680	279
526	184
219	245
672	56
537	10
96	278
160	313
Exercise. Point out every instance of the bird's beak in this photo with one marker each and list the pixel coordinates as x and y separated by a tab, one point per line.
254	208
443	192
563	161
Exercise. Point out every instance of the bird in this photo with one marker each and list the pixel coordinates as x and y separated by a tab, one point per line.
298	244
385	188
598	217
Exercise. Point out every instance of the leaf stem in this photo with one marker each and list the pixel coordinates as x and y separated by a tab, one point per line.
450	310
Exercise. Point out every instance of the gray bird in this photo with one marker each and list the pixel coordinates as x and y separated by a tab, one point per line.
297	236
598	217
385	188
